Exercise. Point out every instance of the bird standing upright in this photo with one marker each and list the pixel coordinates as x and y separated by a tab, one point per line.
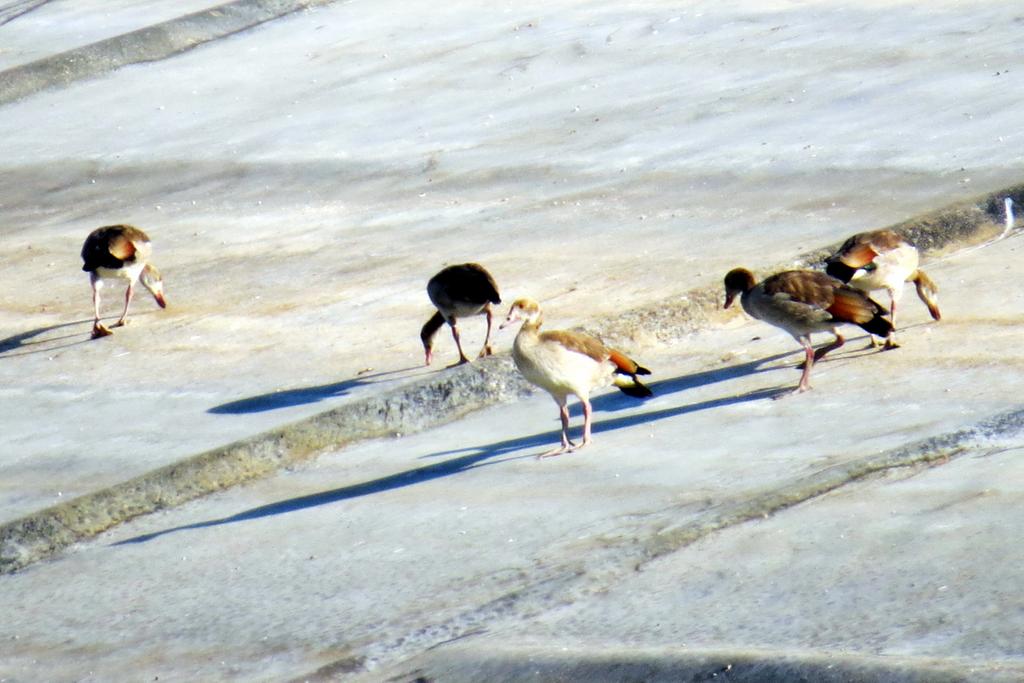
802	302
119	252
881	259
564	362
459	291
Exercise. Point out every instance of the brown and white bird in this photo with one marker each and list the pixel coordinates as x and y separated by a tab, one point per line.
119	252
882	259
803	302
459	291
563	362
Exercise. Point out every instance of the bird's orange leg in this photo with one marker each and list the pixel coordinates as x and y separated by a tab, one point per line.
98	328
567	445
458	344
890	341
805	383
588	413
123	320
805	378
487	350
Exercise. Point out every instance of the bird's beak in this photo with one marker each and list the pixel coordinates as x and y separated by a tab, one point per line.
729	296
512	317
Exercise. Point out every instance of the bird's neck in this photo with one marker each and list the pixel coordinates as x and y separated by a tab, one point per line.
528	335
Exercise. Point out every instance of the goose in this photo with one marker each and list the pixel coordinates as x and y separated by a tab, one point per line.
119	252
803	302
456	292
564	362
882	259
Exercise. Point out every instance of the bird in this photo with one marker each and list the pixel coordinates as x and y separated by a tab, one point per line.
564	362
803	302
882	259
119	252
457	292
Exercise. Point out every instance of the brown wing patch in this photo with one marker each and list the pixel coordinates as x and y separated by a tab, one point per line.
858	254
578	342
886	240
805	286
850	305
113	245
862	248
121	247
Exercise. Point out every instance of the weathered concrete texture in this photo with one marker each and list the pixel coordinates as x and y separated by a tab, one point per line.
706	518
298	202
304	179
148	44
432	401
937	449
613	663
34	29
410	408
917	566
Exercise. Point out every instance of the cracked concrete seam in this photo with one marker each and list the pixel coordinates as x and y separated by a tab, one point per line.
148	44
557	584
415	406
466	662
412	407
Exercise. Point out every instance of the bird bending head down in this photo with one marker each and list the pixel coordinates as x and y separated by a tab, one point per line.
458	291
883	259
119	252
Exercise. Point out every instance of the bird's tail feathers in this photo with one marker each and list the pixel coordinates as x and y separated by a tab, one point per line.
878	326
625	364
631	386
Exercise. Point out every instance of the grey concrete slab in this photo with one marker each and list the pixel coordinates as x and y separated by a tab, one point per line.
597	157
40	28
915	570
303	180
152	42
373	554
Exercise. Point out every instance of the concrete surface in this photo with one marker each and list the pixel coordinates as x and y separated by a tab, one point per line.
697	520
915	573
151	42
42	28
286	208
303	179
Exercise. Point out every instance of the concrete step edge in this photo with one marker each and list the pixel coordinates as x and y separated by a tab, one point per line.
148	44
